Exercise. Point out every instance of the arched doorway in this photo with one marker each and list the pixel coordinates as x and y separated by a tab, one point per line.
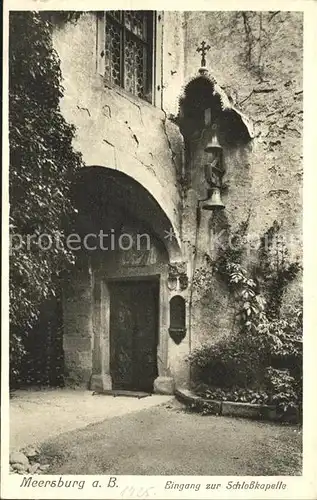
125	324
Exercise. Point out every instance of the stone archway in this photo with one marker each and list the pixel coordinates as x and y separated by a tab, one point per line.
111	202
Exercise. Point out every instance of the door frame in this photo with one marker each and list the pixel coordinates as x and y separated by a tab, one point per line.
101	378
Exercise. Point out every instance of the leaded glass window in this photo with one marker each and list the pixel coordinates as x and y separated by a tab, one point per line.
128	50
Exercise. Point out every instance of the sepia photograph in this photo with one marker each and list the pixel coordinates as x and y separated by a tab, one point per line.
155	214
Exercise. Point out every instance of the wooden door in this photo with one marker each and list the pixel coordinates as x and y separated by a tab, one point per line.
133	334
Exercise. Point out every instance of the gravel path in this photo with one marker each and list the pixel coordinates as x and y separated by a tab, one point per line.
39	415
167	440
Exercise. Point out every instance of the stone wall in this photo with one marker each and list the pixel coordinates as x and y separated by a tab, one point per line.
114	128
117	130
78	341
257	59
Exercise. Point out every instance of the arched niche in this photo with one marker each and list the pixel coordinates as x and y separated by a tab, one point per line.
177	326
203	102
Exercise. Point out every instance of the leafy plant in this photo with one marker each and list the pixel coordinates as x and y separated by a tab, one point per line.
231	362
249	302
61	17
282	389
262	362
235	394
202	407
275	269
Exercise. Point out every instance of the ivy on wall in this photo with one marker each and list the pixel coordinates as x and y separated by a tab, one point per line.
61	17
262	360
42	166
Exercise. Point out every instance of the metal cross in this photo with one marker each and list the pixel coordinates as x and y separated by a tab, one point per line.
203	49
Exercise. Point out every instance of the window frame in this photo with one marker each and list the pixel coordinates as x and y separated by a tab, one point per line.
154	85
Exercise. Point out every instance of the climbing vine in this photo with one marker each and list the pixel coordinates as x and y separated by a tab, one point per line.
42	166
61	16
275	269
